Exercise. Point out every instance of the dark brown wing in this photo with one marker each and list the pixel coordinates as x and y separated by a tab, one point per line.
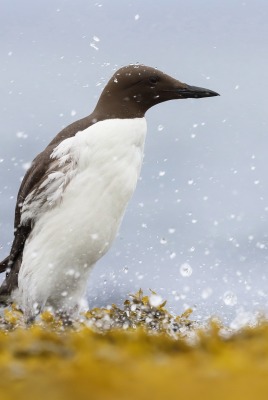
32	179
11	264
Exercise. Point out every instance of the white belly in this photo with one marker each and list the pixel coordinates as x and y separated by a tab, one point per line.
67	240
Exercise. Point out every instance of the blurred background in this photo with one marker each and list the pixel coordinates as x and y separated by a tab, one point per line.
196	230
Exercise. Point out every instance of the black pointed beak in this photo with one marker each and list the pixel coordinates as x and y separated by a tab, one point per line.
195	92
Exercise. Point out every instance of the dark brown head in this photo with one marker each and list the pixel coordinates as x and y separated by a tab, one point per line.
134	89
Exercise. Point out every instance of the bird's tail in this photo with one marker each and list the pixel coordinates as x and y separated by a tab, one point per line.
3	296
11	280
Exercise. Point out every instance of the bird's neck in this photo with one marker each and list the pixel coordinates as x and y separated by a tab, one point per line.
123	108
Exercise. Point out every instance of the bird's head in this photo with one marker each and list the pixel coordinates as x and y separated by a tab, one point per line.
134	89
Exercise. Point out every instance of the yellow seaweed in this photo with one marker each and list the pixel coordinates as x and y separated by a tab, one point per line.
137	352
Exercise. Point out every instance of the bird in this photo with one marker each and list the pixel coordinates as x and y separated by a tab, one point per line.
74	195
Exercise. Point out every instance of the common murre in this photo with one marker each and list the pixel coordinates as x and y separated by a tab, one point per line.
73	197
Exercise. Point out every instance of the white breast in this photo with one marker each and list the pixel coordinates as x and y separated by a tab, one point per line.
75	230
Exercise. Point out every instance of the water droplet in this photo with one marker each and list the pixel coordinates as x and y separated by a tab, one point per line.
21	135
206	293
230	299
160	128
26	165
155	300
186	270
93	45
70	272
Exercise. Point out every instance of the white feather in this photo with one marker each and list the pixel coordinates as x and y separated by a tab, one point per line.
77	211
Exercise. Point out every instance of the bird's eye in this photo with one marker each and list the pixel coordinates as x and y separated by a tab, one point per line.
153	80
